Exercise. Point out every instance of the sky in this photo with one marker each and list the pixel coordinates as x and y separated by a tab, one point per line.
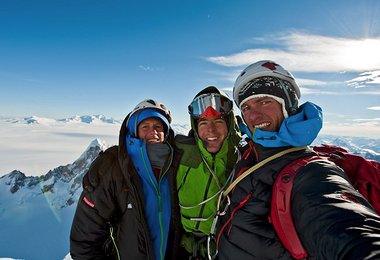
60	58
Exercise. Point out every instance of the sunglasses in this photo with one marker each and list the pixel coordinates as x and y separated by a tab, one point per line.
218	102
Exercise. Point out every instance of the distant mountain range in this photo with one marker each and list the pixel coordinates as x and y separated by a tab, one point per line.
366	147
88	119
36	212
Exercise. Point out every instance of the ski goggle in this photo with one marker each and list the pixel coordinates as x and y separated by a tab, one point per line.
218	102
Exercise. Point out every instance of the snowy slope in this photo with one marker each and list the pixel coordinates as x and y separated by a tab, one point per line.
36	212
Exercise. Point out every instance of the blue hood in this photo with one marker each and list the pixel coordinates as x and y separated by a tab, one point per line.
297	130
136	118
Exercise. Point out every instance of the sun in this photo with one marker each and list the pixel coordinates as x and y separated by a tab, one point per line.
360	54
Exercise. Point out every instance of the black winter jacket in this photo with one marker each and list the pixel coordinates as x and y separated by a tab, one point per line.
332	219
112	205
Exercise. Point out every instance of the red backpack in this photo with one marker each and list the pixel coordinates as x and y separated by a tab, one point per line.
364	175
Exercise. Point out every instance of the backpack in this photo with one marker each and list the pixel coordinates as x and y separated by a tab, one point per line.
364	175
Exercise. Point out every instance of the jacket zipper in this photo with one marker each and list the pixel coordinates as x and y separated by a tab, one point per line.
157	190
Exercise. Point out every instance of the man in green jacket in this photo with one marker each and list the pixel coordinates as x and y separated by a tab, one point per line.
209	154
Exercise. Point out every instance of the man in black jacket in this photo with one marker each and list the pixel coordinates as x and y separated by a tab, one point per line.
129	208
331	218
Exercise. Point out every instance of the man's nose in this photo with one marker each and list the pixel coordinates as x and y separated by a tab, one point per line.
211	127
153	130
253	113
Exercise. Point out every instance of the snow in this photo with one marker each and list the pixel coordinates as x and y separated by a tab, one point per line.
35	148
35	145
34	211
34	208
34	225
67	257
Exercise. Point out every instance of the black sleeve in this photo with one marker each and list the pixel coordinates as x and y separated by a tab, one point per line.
333	220
96	206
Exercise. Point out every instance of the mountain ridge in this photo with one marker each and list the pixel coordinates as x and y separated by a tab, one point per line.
87	119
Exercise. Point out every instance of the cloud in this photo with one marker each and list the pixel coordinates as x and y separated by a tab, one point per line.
230	89
374	108
303	52
367	121
369	127
308	91
231	77
368	130
147	68
365	78
311	82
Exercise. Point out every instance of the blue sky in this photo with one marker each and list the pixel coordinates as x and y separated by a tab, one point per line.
74	57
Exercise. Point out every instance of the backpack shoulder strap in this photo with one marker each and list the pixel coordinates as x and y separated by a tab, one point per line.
260	164
281	215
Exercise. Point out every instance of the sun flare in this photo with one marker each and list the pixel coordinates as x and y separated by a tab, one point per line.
359	54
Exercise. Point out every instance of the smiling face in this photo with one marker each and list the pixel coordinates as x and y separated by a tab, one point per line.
151	130
264	113
212	131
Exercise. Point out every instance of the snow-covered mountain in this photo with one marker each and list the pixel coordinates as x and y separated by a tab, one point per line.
36	211
61	181
91	119
366	147
88	119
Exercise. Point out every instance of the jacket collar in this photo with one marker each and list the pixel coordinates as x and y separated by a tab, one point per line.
298	130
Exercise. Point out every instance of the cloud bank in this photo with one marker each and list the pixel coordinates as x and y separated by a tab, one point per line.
303	52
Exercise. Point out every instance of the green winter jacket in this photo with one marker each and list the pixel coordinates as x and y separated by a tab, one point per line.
199	180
